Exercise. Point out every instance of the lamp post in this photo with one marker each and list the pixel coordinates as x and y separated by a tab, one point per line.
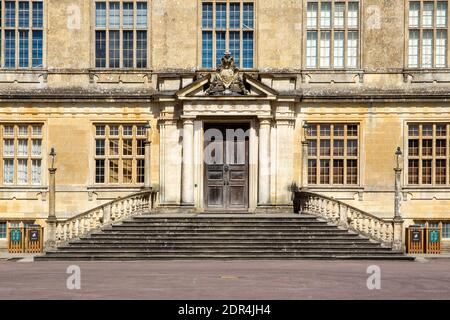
51	219
397	244
147	161
398	173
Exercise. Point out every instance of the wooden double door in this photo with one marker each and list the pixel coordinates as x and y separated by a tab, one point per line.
226	163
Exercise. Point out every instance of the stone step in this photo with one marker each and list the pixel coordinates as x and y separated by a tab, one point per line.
129	224
271	256
248	251
200	242
109	236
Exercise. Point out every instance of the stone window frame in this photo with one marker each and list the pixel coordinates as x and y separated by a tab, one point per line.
420	157
30	29
15	157
318	29
120	157
107	30
227	30
420	28
332	157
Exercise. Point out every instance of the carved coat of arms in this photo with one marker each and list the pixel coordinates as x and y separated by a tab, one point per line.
227	80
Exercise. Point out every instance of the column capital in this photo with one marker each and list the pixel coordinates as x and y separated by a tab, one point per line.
52	170
264	121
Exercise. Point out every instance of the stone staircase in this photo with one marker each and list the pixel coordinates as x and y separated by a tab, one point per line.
205	236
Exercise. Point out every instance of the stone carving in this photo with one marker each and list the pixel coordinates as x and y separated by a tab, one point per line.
227	80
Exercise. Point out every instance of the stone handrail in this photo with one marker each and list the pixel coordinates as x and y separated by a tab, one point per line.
346	216
103	215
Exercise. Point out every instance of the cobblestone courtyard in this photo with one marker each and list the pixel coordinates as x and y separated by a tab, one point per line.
226	280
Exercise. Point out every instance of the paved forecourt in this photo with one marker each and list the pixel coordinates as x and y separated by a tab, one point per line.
426	279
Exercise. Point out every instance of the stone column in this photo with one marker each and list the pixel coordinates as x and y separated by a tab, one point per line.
50	232
187	184
264	163
147	161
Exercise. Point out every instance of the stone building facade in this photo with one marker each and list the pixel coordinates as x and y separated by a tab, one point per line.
98	80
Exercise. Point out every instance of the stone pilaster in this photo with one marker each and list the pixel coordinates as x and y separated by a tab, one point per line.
187	183
50	230
264	162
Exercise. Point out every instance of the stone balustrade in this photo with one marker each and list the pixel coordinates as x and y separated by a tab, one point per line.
349	217
103	215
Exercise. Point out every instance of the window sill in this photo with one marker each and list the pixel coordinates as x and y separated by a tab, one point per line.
336	187
121	187
120	70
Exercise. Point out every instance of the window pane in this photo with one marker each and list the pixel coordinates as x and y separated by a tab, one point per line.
37	49
10	13
114	14
22	147
2	230
127	166
324	171
235	46
100	147
100	49
100	14
427	49
413	49
127	147
23	130
325	49
352	14
312	148
141	49
312	171
128	15
140	147
114	49
426	171
352	49
247	52
324	147
36	172
413	130
339	9
413	147
114	171
441	170
8	147
38	15
207	49
311	15
36	147
441	130
221	15
235	13
338	171
128	49
141	14
339	130
22	171
127	130
100	130
24	14
338	147
414	8
413	171
140	167
114	130
441	48
220	46
352	148
207	15
113	147
339	49
23	49
441	14
99	171
427	130
8	171
325	130
10	49
311	49
427	147
248	16
352	172
325	14
427	15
